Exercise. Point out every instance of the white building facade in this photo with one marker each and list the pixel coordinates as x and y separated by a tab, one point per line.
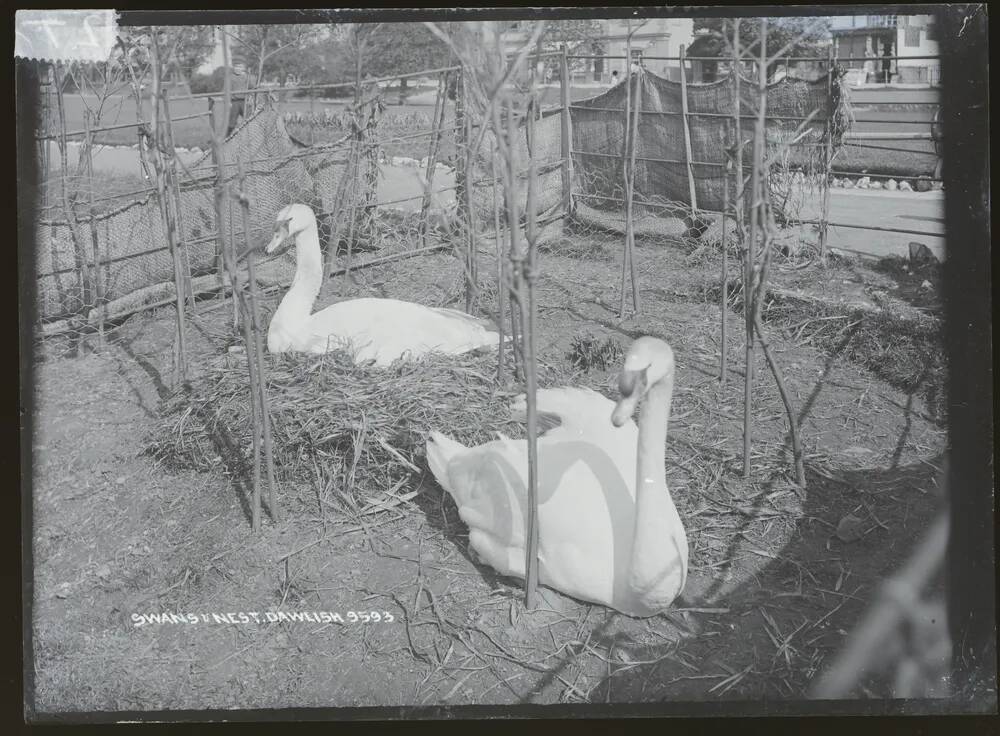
866	40
650	37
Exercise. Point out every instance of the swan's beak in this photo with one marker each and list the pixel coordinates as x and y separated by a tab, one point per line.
281	234
632	384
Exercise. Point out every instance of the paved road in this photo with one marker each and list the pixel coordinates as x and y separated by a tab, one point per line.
918	211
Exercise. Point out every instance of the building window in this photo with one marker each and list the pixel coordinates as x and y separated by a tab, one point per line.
911	38
931	32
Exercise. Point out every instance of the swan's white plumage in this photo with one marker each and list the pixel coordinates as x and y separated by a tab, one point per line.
380	330
386	329
587	505
585	463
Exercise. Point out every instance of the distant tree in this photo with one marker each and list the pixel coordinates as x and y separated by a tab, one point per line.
803	36
579	35
187	47
274	51
183	48
399	48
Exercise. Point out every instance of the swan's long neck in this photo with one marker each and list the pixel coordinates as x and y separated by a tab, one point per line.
298	302
656	518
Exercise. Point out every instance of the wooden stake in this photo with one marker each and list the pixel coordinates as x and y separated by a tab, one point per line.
472	256
501	272
769	228
227	250
760	131
724	297
827	158
687	136
629	205
531	371
80	258
740	207
255	341
440	102
97	278
567	133
628	175
175	191
166	211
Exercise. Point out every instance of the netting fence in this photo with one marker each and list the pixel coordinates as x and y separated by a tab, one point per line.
383	184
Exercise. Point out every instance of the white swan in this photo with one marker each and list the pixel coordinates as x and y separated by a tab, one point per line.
608	529
379	329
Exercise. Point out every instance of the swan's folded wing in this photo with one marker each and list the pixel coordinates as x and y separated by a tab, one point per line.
464	318
487	485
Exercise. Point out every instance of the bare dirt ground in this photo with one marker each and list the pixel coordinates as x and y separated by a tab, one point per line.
772	590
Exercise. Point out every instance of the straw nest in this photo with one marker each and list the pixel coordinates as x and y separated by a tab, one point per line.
342	433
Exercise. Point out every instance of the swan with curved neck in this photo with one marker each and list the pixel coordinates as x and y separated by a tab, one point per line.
382	330
609	532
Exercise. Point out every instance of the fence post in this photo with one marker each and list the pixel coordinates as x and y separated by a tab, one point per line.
97	279
687	135
175	191
68	203
724	297
827	157
469	220
158	143
438	122
501	281
463	123
567	133
738	205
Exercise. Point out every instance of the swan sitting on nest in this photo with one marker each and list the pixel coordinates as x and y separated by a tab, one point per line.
381	330
608	529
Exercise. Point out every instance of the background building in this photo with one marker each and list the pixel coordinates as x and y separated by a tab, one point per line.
655	37
878	36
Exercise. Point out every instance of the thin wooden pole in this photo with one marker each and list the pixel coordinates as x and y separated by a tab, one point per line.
630	203
507	271
513	194
740	207
531	370
632	107
687	137
769	227
827	158
749	291
724	296
501	272
80	259
227	250
627	252
567	133
438	121
94	240
472	259
352	181
256	331
175	190
162	193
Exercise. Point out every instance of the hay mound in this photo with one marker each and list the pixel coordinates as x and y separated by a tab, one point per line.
340	432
